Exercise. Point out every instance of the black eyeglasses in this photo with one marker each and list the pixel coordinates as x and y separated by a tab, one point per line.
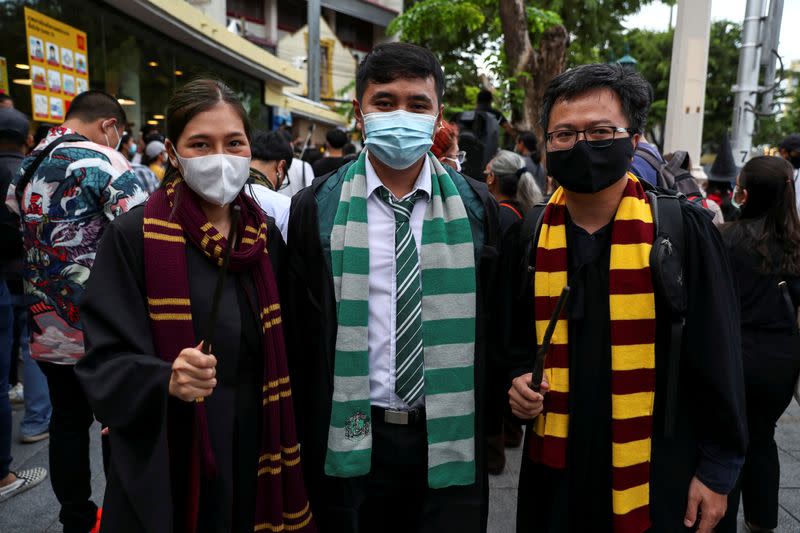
596	136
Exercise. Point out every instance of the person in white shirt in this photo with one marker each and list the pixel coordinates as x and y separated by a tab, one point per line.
299	176
271	157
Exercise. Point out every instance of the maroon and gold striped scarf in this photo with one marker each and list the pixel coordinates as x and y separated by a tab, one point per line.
281	501
633	331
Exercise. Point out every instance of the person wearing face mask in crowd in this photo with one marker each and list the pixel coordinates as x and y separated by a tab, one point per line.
528	147
392	257
789	149
516	192
201	442
129	148
67	191
155	158
764	246
270	159
721	181
610	451
445	146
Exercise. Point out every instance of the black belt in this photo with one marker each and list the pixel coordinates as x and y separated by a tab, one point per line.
412	417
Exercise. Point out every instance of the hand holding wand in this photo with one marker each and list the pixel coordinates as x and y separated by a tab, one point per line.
544	347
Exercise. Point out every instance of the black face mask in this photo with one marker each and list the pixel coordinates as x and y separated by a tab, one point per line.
587	170
795	161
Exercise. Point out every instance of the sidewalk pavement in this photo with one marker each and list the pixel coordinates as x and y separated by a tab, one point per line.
37	510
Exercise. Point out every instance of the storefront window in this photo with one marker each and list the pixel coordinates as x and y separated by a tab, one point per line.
126	59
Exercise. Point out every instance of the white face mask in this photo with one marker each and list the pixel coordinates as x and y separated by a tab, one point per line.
119	139
217	178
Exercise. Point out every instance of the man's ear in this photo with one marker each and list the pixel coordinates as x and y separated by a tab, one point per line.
636	138
358	115
439	117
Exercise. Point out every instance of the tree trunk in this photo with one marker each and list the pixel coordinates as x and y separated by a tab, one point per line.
532	68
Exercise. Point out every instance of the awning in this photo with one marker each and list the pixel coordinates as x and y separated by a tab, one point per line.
362	10
190	26
303	107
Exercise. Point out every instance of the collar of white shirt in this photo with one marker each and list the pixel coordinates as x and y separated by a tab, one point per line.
423	182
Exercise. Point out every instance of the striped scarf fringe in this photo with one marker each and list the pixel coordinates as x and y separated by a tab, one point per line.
633	329
447	261
281	502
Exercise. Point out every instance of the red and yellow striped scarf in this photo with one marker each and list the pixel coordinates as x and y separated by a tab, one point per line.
633	331
173	218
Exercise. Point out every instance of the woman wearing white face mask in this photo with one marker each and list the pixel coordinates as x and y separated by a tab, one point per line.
214	435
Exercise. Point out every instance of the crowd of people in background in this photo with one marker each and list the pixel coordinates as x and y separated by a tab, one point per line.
397	352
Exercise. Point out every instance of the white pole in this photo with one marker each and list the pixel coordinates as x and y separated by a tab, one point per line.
746	88
683	129
313	50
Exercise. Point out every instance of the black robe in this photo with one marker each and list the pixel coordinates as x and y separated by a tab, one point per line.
312	338
127	385
711	432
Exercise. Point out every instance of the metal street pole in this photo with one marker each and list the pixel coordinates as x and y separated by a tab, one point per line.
313	62
770	37
683	129
746	88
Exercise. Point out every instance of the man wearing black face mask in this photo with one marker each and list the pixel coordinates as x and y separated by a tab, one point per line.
790	150
600	457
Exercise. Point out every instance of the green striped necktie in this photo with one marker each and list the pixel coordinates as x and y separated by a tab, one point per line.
409	359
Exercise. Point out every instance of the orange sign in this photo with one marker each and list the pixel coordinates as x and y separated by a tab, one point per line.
59	64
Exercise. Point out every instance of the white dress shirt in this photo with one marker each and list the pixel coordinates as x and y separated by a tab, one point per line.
300	176
272	203
381	335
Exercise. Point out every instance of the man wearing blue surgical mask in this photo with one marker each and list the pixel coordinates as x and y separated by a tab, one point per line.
393	256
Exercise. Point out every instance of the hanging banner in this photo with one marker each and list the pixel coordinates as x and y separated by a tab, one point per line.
3	76
58	56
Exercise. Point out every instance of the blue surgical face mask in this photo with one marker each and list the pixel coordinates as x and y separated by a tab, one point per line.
132	149
398	138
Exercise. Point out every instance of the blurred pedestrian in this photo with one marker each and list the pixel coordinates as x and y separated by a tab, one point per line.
393	257
764	248
528	147
623	442
147	179
155	158
789	149
516	192
14	141
185	459
333	158
721	180
270	160
445	146
67	191
6	102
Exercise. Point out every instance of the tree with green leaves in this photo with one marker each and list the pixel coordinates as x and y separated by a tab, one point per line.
523	45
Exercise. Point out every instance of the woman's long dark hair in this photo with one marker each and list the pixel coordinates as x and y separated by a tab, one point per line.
769	225
195	97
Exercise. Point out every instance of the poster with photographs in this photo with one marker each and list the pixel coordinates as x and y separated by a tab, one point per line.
58	56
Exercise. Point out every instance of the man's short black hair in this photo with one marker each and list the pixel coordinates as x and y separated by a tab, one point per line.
484	96
336	138
93	105
633	90
390	61
270	146
529	141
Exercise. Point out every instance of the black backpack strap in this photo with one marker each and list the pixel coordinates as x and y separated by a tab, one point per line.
19	190
666	266
528	238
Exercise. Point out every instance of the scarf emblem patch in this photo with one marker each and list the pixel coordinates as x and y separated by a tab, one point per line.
356	427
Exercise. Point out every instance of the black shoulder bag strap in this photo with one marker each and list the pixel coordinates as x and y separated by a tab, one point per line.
666	266
19	190
529	237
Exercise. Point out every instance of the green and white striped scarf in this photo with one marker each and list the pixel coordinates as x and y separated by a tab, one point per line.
447	261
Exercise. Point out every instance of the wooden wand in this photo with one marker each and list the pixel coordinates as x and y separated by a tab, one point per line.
541	355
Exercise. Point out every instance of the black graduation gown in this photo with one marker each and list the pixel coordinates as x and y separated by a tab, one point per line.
711	432
312	338
127	386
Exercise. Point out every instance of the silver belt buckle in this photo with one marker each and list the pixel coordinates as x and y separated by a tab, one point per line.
399	418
